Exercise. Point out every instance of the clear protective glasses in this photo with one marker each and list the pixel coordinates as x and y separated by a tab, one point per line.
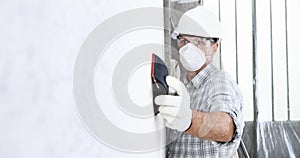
196	40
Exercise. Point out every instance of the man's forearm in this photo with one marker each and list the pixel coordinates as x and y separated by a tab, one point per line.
217	126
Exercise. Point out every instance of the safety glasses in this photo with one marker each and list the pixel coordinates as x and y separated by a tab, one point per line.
196	40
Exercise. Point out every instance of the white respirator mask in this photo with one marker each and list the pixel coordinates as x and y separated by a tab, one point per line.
191	57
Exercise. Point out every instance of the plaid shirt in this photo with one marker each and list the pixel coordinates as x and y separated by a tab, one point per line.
211	90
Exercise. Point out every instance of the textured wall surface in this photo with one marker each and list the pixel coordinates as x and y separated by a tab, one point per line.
39	44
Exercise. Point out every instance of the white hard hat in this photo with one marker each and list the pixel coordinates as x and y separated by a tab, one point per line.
199	21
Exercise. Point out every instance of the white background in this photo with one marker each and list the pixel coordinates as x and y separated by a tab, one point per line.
39	44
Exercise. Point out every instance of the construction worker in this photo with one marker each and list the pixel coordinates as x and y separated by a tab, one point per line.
204	118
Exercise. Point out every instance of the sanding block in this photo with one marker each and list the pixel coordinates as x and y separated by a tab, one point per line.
159	72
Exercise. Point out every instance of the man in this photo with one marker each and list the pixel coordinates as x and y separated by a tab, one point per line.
205	113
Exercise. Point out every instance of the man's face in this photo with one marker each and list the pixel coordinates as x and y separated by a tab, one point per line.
206	45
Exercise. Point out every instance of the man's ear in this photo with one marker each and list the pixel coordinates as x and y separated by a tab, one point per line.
215	48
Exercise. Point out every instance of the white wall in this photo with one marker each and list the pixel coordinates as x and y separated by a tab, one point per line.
40	41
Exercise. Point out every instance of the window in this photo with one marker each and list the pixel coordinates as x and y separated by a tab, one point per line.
277	25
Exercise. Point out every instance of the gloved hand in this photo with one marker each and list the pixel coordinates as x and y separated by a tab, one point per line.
175	109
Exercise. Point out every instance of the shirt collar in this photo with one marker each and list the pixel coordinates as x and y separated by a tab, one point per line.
202	76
